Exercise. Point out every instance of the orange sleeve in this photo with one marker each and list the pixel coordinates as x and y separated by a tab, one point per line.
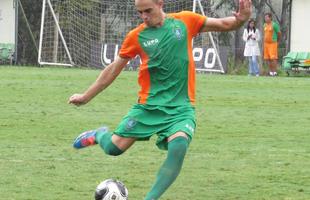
129	48
193	21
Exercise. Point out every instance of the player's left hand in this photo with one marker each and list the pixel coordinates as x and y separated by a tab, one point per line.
245	10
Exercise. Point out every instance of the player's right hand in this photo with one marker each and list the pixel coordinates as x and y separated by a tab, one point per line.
77	99
245	10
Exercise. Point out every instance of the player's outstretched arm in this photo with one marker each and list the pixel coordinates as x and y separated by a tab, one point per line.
106	77
230	23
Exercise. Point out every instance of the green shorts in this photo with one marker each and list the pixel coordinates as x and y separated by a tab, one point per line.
143	121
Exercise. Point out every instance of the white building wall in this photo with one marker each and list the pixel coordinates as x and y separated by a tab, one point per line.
300	26
7	21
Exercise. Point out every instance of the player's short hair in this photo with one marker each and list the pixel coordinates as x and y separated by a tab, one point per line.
269	15
155	1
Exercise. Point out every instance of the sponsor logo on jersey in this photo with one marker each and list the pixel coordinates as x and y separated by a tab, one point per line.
151	42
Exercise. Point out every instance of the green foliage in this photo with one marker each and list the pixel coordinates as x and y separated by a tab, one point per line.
236	67
251	142
27	53
224	38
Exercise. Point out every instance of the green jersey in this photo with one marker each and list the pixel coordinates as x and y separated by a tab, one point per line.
167	71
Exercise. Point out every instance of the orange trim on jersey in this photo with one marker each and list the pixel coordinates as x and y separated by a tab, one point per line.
193	28
144	79
130	48
191	73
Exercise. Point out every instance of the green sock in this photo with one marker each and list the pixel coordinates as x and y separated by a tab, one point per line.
170	168
104	139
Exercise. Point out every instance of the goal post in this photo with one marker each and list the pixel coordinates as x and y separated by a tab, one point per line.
44	59
89	33
214	50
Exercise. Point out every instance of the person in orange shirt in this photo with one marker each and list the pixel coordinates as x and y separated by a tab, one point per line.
272	36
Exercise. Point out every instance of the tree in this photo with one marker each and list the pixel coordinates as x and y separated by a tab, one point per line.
27	53
259	9
229	6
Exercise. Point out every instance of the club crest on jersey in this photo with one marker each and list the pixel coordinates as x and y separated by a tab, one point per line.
130	124
178	33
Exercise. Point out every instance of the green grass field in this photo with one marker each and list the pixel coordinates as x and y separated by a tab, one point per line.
252	139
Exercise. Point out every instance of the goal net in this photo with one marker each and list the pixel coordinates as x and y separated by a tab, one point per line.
89	32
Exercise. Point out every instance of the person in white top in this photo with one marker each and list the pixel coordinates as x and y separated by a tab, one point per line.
251	36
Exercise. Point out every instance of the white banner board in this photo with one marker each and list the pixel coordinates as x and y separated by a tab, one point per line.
300	29
7	21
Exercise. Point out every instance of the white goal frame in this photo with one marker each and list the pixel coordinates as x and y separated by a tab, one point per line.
59	32
196	3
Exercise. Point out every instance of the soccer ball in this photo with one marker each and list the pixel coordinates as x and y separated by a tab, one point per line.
111	189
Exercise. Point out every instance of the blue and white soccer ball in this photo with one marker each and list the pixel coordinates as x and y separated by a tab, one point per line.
111	189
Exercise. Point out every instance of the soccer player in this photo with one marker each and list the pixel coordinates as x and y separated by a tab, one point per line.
167	78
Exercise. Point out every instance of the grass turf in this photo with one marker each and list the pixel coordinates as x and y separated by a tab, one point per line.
252	140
